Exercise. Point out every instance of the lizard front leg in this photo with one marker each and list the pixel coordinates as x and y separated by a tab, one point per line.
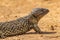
37	29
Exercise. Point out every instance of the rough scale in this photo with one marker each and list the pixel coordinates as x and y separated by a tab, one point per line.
23	24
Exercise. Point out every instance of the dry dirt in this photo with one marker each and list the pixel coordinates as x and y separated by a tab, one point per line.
50	23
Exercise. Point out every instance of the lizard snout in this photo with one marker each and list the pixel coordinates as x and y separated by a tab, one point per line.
45	10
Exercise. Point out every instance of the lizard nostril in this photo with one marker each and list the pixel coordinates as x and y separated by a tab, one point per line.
47	10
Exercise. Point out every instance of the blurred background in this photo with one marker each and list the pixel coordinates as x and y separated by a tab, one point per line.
13	9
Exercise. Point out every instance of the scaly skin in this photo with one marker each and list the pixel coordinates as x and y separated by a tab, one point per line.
23	24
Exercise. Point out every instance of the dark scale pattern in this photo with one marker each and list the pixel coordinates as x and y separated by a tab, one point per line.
24	24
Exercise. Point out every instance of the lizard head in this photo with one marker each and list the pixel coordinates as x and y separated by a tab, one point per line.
39	12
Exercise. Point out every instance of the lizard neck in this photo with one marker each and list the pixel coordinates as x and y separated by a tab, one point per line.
36	17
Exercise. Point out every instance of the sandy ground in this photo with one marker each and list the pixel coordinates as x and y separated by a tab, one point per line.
13	9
